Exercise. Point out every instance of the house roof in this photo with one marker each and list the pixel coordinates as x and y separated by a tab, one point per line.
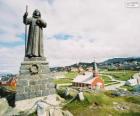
87	78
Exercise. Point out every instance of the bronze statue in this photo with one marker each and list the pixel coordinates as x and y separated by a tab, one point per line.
35	34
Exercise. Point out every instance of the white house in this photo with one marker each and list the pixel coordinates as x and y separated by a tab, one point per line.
131	82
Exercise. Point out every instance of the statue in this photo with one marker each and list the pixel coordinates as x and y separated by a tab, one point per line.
34	47
34	78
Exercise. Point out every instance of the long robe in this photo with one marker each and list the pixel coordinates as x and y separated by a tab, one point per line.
35	37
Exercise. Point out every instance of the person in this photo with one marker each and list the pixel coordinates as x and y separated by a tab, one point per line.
34	46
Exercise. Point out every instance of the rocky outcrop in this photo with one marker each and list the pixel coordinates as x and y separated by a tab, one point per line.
3	106
50	105
120	106
6	110
45	106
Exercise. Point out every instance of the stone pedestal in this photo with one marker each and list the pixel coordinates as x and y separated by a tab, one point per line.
34	79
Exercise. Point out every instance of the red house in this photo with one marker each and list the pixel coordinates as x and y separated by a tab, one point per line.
11	82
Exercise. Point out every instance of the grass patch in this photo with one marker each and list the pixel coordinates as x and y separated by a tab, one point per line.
129	88
106	79
112	83
102	105
134	99
71	74
121	75
96	100
62	81
33	114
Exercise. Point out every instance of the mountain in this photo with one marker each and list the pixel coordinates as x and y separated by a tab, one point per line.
121	60
6	75
130	63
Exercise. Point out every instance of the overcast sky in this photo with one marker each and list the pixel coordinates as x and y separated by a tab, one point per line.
78	31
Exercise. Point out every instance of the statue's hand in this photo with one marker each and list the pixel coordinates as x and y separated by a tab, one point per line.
38	22
26	14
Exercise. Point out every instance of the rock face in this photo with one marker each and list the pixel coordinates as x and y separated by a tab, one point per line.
34	79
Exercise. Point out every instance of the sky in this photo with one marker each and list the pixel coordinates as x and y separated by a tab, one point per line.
77	31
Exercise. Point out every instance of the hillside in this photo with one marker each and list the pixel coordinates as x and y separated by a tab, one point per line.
130	63
121	60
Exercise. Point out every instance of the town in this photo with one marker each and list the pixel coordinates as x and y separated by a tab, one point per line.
69	58
90	79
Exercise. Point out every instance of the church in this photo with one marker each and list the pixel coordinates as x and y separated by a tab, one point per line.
89	79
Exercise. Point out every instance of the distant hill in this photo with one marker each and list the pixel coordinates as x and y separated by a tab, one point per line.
114	63
5	76
83	64
121	60
130	63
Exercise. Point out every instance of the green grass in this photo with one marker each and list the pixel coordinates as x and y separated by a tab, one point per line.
121	75
33	114
129	88
102	105
112	83
62	81
134	99
69	76
106	79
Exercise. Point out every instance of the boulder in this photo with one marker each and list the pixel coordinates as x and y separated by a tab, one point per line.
50	105
44	109
137	88
59	112
41	109
67	113
81	96
56	112
3	106
6	110
71	92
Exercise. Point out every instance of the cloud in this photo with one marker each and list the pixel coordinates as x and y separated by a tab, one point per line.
10	59
78	30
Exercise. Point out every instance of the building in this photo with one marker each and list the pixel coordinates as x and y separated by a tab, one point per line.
11	81
133	82
89	79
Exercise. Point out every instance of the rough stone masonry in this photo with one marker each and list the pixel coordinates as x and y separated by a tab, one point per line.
34	79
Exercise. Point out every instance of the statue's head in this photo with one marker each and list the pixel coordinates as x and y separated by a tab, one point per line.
36	13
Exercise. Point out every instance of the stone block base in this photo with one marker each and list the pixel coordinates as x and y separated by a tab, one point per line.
34	86
34	80
34	67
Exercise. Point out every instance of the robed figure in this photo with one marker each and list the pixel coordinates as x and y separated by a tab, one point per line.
34	47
